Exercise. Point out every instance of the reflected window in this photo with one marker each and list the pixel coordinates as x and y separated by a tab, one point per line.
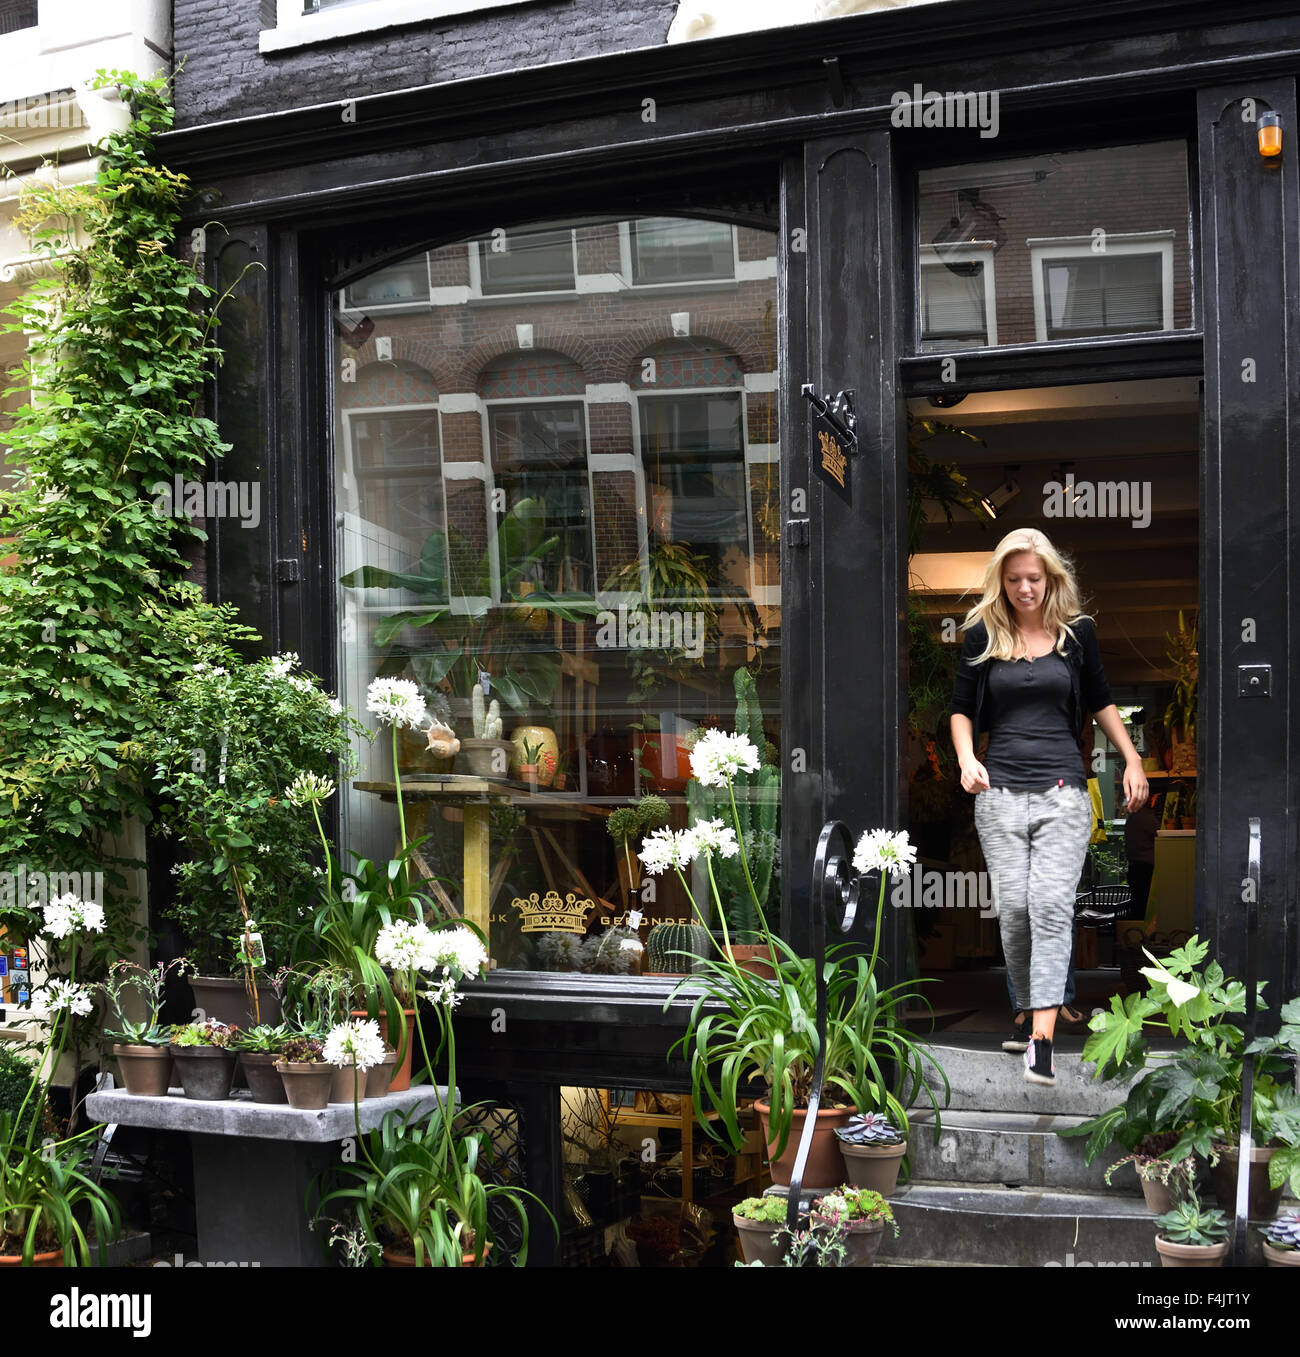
526	261
398	284
671	251
1123	288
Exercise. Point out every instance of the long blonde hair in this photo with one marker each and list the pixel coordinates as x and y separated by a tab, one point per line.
1061	600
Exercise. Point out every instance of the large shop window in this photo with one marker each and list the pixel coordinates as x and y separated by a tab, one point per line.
1085	244
556	480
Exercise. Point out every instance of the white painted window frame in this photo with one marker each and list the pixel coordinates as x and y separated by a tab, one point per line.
977	251
701	284
476	293
1043	248
295	29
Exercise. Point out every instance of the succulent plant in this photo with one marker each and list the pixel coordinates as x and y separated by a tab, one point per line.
671	946
560	952
1284	1232
616	951
869	1128
209	1033
486	719
768	1210
1191	1223
302	1051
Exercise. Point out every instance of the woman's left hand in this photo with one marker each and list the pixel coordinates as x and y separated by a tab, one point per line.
1136	787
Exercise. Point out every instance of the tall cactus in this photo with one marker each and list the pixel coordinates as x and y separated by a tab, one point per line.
758	802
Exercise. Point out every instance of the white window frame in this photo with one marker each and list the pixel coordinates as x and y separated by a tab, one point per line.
369	308
477	294
294	29
489	472
703	284
763	452
1043	248
975	251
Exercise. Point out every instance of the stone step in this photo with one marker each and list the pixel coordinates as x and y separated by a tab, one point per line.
1027	1227
1019	1149
991	1080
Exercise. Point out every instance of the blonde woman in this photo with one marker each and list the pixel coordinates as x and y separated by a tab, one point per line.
1031	674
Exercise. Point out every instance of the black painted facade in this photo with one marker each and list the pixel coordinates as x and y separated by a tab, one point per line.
754	129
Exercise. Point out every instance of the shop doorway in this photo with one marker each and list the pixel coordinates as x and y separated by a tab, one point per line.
1109	471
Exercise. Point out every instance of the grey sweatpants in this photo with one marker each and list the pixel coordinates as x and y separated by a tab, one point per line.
1034	844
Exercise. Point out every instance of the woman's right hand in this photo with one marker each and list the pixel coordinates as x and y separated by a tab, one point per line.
974	777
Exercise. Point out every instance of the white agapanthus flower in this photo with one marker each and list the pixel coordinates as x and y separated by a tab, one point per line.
67	913
719	756
397	702
60	994
709	836
357	1042
459	951
309	789
880	851
660	849
406	946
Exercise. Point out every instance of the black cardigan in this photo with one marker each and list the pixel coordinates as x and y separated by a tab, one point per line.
1089	691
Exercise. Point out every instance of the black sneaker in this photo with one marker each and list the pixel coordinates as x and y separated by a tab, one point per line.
1019	1038
1039	1066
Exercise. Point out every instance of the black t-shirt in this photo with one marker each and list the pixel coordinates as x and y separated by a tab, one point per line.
1031	746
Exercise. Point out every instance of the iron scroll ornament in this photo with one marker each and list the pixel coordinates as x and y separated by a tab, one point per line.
836	889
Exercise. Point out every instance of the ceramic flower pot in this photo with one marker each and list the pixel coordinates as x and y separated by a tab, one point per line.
1190	1255
348	1084
396	1258
1264	1200
52	1259
146	1070
485	758
1159	1196
264	1082
401	1075
547	758
862	1242
379	1077
825	1168
874	1166
206	1072
306	1083
227	1001
756	958
760	1240
1280	1257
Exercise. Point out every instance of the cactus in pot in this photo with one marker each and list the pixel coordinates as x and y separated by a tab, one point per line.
487	754
669	943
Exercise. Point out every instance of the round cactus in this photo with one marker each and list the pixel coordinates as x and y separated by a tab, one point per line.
672	946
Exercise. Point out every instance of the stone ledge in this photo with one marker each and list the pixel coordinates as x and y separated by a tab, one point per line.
239	1115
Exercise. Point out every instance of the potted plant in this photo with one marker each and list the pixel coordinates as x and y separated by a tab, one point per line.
760	1229
141	1046
227	740
873	1149
527	752
676	947
485	754
305	1073
47	1199
1159	1175
1282	1240
1191	1235
204	1054
353	1048
259	1049
742	1027
860	1216
535	747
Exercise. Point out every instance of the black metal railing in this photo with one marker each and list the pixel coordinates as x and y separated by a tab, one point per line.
1254	854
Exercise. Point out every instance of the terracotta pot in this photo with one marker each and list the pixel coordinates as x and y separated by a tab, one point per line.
306	1083
348	1084
395	1258
873	1166
401	1079
1159	1196
863	1242
825	1167
146	1070
759	1240
206	1072
1263	1200
264	1082
485	758
664	761
54	1259
1280	1257
1190	1255
227	1001
548	756
379	1076
756	958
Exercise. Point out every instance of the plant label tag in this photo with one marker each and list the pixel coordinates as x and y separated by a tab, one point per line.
486	680
256	952
634	918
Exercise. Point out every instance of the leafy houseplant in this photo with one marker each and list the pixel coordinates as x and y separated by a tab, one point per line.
1160	1176
744	1027
858	1216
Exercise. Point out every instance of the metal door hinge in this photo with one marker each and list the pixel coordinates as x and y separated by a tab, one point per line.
288	570
796	532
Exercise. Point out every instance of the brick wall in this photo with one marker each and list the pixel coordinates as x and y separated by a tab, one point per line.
225	76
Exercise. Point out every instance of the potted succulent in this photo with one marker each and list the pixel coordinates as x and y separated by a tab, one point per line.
742	1027
860	1216
1191	1235
1282	1240
305	1072
527	753
873	1149
204	1054
141	1046
760	1229
259	1049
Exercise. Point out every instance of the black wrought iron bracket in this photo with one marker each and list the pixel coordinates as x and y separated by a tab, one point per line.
837	411
836	887
1254	855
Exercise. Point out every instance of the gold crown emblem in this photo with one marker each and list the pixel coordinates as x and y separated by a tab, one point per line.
550	914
